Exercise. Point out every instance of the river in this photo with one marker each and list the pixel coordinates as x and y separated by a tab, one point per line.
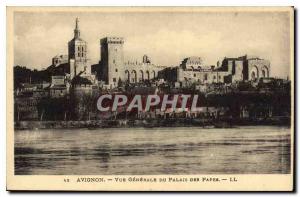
140	151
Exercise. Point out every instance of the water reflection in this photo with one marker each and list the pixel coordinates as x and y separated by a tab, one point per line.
153	151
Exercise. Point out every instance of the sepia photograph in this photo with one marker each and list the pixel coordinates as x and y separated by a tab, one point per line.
121	93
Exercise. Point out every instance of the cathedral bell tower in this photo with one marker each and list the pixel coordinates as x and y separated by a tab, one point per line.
76	30
77	52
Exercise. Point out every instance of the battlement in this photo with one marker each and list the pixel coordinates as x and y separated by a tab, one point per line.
112	40
134	63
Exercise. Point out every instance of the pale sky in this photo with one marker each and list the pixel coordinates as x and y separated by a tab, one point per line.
166	37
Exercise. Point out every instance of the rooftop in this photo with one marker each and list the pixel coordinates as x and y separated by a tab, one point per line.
78	80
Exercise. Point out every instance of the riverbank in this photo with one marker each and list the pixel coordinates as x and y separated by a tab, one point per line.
150	123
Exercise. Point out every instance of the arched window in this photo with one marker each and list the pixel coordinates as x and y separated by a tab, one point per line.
134	77
128	75
263	73
254	73
147	75
141	75
253	77
153	74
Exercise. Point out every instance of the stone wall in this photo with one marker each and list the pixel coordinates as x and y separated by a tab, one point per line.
257	68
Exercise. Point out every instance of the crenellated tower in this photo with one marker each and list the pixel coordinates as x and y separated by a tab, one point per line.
112	60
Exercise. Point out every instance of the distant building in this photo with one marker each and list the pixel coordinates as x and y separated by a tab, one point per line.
81	86
77	53
27	99
66	68
256	68
26	107
192	63
83	91
146	59
58	80
231	70
245	68
141	71
113	68
60	59
28	87
112	60
58	87
58	91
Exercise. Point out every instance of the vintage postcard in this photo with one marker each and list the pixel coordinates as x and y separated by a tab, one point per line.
150	98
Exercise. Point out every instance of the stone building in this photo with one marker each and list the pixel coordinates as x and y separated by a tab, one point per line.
192	63
112	67
77	53
26	101
59	87
26	108
141	71
83	94
256	68
76	62
81	86
112	60
244	68
66	68
192	69
60	59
